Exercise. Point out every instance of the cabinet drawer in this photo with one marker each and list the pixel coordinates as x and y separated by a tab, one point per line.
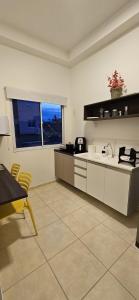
80	163
80	171
80	182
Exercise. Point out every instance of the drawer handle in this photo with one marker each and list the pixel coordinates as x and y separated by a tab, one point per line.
83	168
80	175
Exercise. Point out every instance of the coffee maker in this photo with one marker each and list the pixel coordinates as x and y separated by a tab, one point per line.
80	145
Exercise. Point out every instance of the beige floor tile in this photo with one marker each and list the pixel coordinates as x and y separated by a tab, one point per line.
105	244
126	269
43	217
108	288
51	195
125	227
99	211
77	270
79	199
18	259
64	206
69	192
80	221
36	202
12	229
54	238
57	192
48	187
39	285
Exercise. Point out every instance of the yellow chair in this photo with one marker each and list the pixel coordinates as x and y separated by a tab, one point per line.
15	170
18	206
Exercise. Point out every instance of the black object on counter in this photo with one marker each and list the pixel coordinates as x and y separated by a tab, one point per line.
70	148
80	145
131	157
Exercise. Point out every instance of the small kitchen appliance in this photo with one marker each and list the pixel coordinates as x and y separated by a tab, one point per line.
80	145
70	148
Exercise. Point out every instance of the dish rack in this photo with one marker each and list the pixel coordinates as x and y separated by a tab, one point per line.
131	158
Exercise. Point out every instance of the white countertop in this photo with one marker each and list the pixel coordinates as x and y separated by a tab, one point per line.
106	160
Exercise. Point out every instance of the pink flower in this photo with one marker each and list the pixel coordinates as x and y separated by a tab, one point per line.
115	81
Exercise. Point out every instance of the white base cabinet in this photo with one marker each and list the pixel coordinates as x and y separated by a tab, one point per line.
95	181
116	190
109	185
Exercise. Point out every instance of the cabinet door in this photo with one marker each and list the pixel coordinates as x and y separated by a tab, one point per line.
68	173
117	189
59	165
95	180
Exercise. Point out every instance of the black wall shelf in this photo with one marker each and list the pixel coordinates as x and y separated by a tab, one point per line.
4	134
92	111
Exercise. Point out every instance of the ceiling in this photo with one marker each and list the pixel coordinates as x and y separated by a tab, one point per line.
63	24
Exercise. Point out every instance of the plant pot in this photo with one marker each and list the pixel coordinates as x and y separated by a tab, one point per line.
116	92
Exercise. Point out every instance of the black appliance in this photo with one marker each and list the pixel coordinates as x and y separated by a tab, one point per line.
80	145
70	148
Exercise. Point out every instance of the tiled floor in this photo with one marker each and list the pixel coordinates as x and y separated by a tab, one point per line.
84	250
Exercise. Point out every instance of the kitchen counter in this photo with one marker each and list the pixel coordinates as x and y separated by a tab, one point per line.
106	160
63	151
101	177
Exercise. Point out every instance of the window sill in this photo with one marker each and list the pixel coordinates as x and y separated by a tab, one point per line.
45	147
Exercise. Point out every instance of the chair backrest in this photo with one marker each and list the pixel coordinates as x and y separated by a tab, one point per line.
15	170
24	180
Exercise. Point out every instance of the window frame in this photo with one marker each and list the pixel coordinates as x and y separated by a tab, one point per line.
42	146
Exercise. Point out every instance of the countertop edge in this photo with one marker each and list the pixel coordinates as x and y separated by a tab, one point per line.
119	166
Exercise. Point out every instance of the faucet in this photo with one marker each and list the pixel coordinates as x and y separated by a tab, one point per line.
112	150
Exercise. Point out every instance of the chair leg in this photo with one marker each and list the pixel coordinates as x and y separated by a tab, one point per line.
31	215
21	213
24	214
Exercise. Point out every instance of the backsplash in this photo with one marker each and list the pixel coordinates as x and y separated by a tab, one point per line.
116	144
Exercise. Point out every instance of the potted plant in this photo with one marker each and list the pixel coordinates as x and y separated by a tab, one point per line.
116	84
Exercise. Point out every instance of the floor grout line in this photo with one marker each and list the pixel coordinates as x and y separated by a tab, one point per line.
19	280
52	270
114	231
46	261
94	285
108	271
122	284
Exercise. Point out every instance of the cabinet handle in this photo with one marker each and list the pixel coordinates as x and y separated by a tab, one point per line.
80	175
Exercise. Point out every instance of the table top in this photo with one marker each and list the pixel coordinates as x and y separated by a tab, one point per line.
10	189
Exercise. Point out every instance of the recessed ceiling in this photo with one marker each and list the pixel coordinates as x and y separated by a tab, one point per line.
62	23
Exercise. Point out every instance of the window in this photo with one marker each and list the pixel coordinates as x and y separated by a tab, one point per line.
27	123
52	123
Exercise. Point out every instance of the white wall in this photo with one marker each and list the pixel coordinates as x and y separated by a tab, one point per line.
31	73
85	83
89	84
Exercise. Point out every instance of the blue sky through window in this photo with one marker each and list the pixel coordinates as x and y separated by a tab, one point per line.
49	110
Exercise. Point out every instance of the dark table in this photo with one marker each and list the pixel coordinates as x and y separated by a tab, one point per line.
10	189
